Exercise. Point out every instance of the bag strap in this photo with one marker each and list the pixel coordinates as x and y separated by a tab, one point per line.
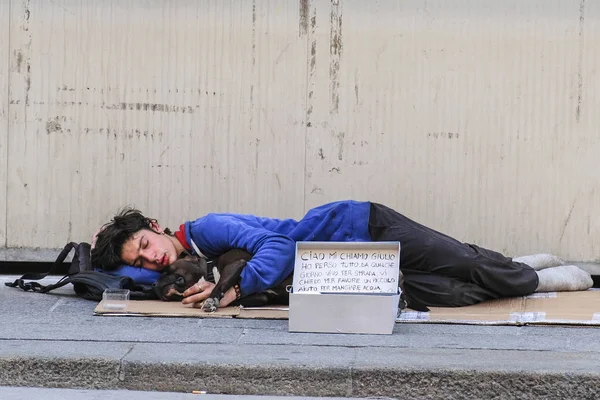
82	259
79	260
87	283
38	287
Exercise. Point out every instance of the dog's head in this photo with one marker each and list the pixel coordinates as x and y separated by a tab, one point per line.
179	276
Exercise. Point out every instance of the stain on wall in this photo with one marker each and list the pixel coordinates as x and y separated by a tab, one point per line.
151	107
335	54
312	65
304	17
580	60
52	126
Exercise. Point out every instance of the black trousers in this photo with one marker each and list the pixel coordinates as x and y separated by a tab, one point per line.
440	271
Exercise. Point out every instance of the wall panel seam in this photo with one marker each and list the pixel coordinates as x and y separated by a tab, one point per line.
306	100
8	75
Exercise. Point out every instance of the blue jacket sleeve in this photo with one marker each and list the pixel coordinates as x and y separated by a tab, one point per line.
273	253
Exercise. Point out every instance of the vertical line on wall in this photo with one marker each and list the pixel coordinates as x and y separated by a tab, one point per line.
8	75
306	99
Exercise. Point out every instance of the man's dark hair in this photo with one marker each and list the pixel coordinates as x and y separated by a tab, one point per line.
106	253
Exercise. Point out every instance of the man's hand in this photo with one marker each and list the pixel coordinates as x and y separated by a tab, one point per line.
198	292
202	290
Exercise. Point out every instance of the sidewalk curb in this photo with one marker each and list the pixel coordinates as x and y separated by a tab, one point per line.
298	381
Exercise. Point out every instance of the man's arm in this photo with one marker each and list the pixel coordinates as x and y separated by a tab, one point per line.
273	253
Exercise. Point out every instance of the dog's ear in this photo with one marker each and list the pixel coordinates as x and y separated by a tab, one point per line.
193	259
171	268
168	269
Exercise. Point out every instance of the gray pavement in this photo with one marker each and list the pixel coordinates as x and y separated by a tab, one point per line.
21	393
55	341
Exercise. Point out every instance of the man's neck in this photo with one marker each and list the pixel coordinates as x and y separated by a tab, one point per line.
178	246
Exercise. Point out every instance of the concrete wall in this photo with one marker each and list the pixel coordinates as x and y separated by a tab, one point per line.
476	117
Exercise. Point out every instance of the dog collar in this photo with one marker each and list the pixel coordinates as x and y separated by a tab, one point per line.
210	276
212	273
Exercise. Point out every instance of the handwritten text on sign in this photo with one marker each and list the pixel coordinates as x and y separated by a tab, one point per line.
346	271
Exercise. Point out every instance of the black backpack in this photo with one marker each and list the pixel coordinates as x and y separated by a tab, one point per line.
87	283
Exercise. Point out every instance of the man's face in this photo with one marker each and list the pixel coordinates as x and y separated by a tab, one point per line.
149	249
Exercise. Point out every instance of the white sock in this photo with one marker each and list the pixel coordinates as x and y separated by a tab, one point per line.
540	261
565	278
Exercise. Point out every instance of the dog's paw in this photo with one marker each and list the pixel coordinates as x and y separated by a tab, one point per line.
211	304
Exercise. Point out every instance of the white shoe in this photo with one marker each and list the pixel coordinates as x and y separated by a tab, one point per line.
565	278
540	261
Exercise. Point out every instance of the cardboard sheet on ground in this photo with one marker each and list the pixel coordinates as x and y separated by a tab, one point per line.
563	308
158	308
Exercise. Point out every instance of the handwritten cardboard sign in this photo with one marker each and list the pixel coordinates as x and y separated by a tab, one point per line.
346	267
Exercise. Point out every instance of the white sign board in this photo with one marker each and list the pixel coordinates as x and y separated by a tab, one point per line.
346	267
345	287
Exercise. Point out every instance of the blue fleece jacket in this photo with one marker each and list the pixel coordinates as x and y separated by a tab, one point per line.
273	241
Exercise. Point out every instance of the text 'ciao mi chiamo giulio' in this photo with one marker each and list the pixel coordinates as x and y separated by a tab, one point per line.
326	271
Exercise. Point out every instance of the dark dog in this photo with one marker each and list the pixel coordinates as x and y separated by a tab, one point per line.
225	272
